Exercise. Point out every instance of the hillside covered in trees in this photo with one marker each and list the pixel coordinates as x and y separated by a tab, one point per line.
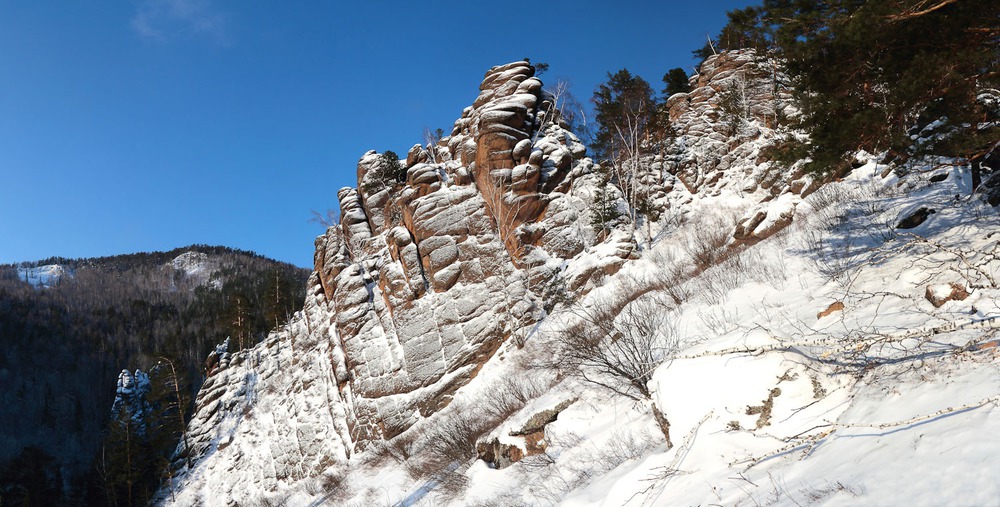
69	326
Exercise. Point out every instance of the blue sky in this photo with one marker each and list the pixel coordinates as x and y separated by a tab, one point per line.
150	124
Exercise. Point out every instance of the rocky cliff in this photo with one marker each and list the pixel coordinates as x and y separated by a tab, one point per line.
449	259
422	282
428	333
725	134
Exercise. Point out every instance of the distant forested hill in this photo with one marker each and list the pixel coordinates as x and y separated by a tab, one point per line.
69	326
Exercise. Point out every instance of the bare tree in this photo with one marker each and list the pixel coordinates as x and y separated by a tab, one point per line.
431	139
177	404
627	168
327	220
620	351
505	207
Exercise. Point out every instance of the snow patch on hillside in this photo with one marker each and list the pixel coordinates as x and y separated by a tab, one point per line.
44	276
198	267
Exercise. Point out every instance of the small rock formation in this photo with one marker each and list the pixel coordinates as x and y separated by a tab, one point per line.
131	401
938	295
529	442
916	218
218	359
836	306
990	189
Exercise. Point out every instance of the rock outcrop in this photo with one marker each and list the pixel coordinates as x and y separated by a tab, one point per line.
421	282
724	130
443	260
428	278
131	401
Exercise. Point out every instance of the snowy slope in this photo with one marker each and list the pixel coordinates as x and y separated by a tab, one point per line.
801	348
198	267
889	401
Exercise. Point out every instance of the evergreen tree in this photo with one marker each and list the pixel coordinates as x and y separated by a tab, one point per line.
744	30
629	122
869	72
31	479
676	81
604	212
388	172
623	105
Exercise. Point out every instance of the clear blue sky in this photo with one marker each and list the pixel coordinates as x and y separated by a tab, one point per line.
146	125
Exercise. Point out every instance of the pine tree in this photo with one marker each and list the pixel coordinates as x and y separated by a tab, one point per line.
676	81
623	104
870	74
604	212
630	121
387	173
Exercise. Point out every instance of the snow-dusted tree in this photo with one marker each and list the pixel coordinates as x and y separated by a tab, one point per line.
628	123
387	173
431	139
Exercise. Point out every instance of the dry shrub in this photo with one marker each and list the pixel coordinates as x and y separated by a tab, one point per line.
618	351
742	266
441	452
708	237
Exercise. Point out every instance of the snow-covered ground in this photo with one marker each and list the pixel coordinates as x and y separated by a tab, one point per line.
884	400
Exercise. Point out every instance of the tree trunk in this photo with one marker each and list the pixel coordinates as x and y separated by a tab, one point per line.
664	424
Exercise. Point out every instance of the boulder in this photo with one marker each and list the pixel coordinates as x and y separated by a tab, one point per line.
915	218
939	294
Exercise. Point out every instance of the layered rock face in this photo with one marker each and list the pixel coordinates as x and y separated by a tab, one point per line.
419	285
736	104
428	278
446	260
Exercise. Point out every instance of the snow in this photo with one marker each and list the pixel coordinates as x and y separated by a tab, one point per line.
44	276
909	431
886	401
198	267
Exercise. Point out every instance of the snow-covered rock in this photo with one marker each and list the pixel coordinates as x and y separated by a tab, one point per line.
198	267
420	284
131	405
